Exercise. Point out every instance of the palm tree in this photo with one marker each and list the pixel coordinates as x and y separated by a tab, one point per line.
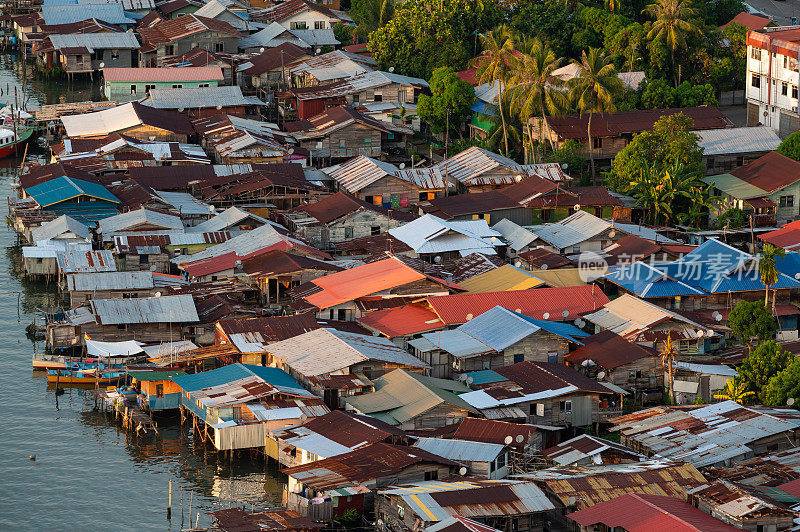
768	269
671	25
534	87
668	356
700	199
505	129
494	64
735	390
593	89
612	5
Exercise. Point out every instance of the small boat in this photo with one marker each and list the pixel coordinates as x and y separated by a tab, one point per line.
88	376
16	129
42	361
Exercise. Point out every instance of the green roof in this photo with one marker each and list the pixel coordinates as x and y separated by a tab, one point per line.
158	375
735	187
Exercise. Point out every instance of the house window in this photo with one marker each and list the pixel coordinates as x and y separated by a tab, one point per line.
552	356
794	91
576	249
756	81
568	407
545	215
348	233
787	201
597	143
401	96
133	89
401	512
378	97
144	259
78	58
342	143
177	86
114	55
784	89
755	53
355	98
368	142
148	88
785	61
219	47
341	314
319	24
159	390
432	475
501	460
169	49
298	26
374	230
519	358
204	85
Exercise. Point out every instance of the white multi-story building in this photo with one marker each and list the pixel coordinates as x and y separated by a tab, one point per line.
773	78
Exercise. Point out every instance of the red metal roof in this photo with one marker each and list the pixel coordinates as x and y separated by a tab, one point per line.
534	377
584	196
402	321
770	172
271	328
749	21
340	204
534	302
649	513
785	237
792	488
616	124
609	350
540	256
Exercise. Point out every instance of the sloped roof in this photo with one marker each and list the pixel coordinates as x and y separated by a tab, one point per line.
169	30
336	118
59	226
430	234
636	512
166	309
123	117
734	140
335	206
402	320
324	351
163	74
572	230
111	13
609	350
285	53
199	97
65	188
770	172
749	21
586	446
504	278
131	219
518	237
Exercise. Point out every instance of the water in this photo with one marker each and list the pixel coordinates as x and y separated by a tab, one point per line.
89	474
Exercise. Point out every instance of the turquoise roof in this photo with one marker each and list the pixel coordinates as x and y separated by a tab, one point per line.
66	188
232	372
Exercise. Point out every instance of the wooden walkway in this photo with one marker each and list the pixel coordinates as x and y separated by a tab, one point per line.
125	408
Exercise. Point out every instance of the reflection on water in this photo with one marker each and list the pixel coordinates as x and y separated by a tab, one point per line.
90	474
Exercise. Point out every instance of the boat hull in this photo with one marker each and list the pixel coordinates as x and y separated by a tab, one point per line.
12	149
70	379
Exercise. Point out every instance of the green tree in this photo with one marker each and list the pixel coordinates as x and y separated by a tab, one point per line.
766	361
689	95
343	34
506	130
570	153
750	321
534	90
784	385
448	92
593	90
790	147
424	35
767	268
670	139
370	15
701	200
733	218
672	26
735	390
494	66
657	94
548	21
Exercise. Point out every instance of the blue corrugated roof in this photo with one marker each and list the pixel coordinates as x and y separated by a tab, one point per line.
485	376
646	280
483	108
232	372
565	330
66	188
69	13
86	212
790	264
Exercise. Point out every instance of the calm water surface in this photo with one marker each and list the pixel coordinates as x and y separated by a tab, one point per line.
88	473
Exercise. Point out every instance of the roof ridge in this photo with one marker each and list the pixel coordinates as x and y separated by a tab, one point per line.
665	512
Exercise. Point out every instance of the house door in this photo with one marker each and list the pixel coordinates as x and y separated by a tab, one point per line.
753	117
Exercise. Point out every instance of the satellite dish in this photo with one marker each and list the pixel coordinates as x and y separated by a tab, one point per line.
571	501
546	316
699	333
577	207
518	310
376	333
181	109
790	401
493	240
509	440
469	380
766	114
290	151
601	375
581	324
212	208
612	234
303	418
238	264
261	50
402	166
437	259
544	266
102	65
157	294
565	314
462	471
577	322
219	108
718	317
518	178
391	69
462	377
564	166
518	264
520	438
469	317
797	276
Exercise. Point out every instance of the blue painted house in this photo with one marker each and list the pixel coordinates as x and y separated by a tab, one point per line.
235	406
81	200
157	391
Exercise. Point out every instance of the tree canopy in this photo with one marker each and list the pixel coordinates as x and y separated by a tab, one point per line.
765	362
790	147
784	385
447	92
751	320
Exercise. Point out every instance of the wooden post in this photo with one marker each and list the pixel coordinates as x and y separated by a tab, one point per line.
169	502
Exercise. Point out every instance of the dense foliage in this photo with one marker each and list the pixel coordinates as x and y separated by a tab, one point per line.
765	362
750	320
448	93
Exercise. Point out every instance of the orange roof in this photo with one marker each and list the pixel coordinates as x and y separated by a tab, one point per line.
361	281
402	321
750	21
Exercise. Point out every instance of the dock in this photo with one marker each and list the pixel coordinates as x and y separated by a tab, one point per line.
126	409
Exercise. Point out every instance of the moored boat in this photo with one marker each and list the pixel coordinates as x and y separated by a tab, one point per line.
88	376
